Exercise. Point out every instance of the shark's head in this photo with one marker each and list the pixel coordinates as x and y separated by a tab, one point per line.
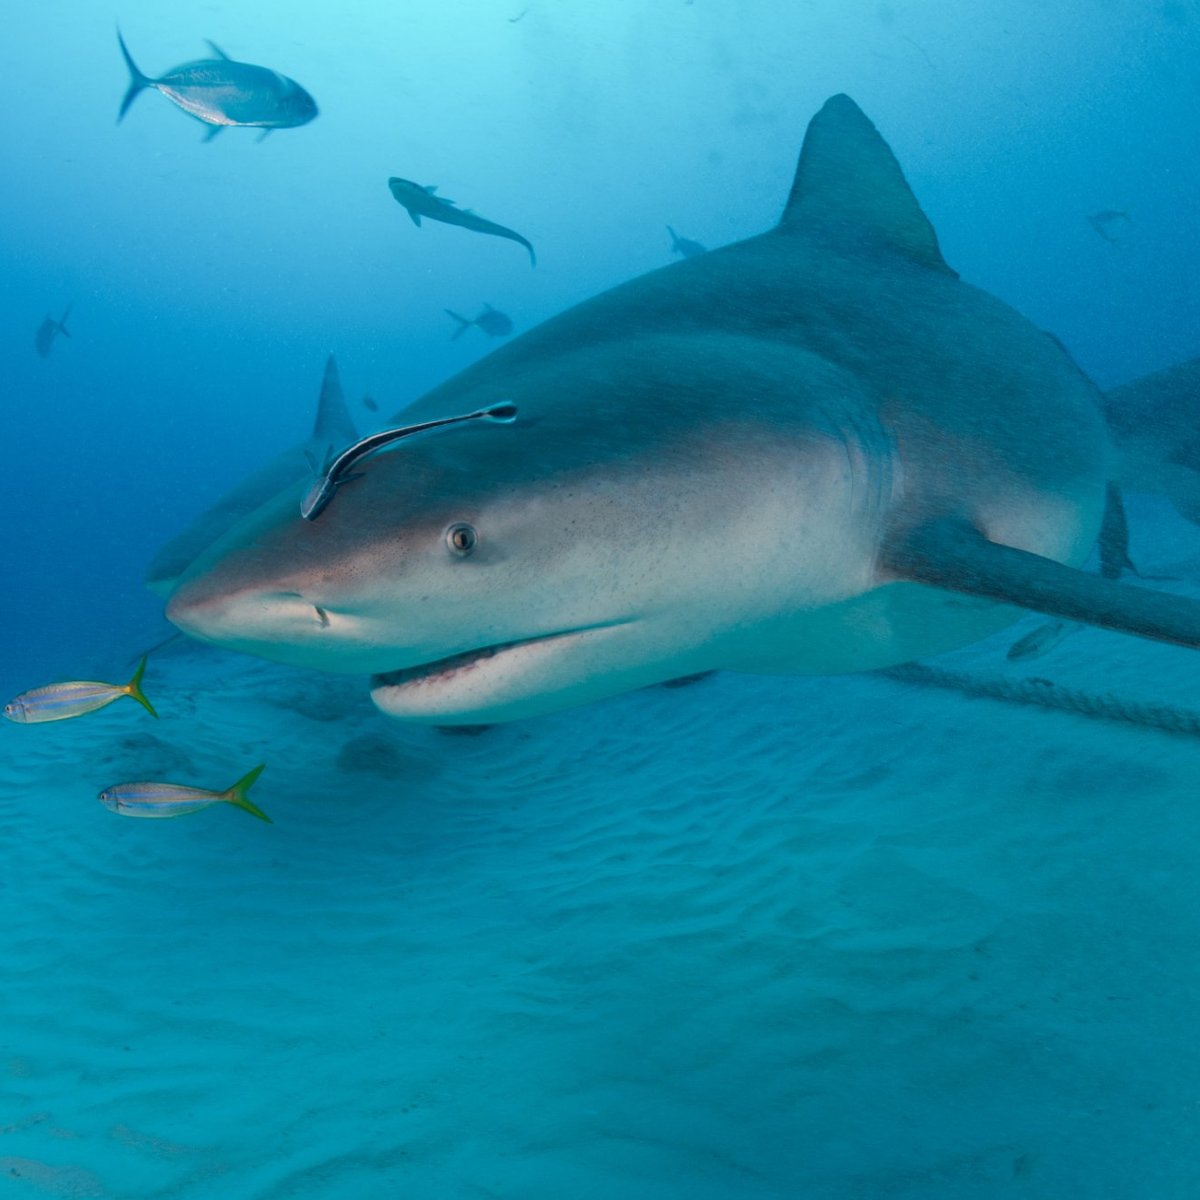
490	572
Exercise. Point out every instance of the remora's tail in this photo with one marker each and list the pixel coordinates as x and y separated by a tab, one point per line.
463	324
137	81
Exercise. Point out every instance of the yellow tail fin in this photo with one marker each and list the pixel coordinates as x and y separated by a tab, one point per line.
134	688
237	794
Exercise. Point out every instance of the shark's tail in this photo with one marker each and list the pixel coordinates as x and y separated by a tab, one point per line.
137	81
463	324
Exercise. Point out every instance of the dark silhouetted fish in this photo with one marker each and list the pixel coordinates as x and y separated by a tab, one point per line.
1110	224
220	92
370	404
685	246
48	330
491	321
420	201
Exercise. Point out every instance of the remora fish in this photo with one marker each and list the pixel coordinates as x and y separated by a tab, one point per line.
490	321
685	246
174	800
419	200
48	330
60	701
221	92
795	454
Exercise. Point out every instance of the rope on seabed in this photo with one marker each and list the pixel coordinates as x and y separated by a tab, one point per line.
1042	693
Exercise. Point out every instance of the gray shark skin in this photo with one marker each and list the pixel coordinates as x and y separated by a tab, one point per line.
333	429
816	450
221	92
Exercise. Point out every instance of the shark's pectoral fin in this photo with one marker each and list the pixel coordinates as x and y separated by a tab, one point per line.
415	216
850	191
953	555
211	132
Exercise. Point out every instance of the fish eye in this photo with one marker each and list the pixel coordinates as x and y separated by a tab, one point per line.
461	539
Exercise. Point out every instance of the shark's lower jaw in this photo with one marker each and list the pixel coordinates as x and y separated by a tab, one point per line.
498	682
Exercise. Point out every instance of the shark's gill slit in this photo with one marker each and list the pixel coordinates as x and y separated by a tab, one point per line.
337	469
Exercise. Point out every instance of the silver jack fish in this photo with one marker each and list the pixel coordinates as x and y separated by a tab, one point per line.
220	92
419	200
174	800
60	701
491	321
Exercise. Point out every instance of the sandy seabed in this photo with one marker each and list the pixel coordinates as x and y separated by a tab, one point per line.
753	938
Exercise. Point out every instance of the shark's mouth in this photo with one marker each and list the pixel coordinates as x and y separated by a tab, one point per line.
443	669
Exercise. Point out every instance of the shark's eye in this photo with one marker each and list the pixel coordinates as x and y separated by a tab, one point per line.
461	539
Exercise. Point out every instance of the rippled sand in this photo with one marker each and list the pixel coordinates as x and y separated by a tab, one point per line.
747	939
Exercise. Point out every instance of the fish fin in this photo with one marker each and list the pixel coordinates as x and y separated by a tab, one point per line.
133	688
217	49
62	322
314	466
262	137
236	795
430	188
334	426
850	187
952	554
415	216
1113	542
211	132
674	239
463	324
137	81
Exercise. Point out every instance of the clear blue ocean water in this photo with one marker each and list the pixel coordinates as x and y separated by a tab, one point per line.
758	938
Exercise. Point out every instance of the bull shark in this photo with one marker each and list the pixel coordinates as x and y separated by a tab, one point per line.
815	451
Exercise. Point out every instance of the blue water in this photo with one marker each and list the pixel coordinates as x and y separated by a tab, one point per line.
759	938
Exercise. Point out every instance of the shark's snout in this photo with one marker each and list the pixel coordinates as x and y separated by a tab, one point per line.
202	608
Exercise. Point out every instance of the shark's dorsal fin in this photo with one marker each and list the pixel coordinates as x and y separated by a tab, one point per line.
850	189
334	426
217	50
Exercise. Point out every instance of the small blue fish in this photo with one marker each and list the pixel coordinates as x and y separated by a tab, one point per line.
221	92
174	800
60	701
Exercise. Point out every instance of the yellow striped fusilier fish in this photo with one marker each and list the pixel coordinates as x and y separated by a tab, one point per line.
173	800
60	701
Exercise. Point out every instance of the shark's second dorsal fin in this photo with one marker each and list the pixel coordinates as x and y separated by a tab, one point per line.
850	188
334	426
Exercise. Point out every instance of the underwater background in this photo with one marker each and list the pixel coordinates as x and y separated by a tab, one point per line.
753	938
